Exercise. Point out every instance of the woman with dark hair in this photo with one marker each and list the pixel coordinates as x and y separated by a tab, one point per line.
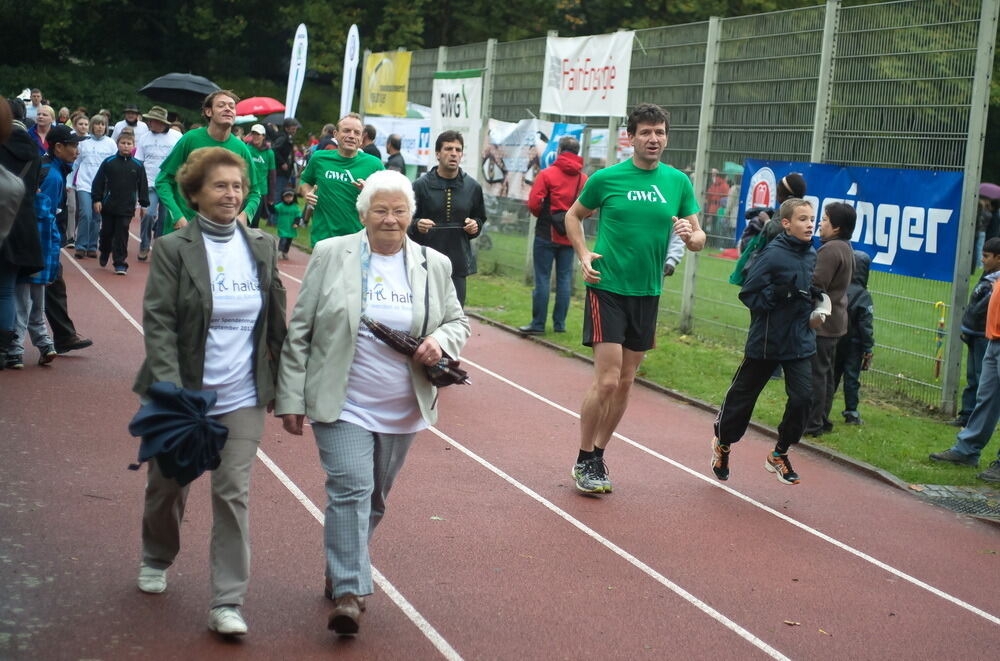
213	319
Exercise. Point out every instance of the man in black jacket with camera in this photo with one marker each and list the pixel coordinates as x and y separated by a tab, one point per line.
450	210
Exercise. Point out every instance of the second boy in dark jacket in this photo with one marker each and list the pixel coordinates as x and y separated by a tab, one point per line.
119	185
854	350
779	292
974	327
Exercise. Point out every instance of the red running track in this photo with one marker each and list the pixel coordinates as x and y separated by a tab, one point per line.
487	551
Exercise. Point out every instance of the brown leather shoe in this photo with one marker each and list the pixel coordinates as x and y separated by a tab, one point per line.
346	616
328	593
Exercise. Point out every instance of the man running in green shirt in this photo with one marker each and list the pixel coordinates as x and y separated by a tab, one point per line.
333	180
263	171
219	109
641	201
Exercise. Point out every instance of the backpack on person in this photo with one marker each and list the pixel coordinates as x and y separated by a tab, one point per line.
557	219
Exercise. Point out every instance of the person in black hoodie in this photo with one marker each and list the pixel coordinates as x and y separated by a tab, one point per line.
21	251
974	328
778	290
450	210
854	350
120	184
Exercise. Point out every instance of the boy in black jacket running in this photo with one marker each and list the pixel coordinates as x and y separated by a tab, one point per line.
778	290
119	185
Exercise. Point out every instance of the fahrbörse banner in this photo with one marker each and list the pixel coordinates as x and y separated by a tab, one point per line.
587	76
908	220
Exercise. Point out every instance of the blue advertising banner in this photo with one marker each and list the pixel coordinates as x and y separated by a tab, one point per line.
907	219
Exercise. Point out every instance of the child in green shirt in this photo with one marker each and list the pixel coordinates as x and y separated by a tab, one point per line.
287	217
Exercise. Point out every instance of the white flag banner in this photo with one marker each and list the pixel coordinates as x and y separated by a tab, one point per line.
456	104
587	76
352	54
296	70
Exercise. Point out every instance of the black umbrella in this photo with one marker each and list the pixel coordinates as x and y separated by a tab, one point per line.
176	430
274	118
180	89
447	371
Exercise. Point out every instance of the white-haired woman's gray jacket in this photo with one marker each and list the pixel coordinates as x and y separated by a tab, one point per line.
323	331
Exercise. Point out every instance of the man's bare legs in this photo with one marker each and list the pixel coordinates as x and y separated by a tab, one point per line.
607	398
602	410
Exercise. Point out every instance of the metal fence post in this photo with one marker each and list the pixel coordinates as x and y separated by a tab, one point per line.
978	108
818	149
363	101
442	58
701	161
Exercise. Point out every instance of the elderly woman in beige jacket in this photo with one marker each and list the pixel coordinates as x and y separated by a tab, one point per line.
366	401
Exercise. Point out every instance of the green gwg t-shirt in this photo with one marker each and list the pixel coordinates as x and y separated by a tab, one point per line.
263	163
334	177
166	182
637	210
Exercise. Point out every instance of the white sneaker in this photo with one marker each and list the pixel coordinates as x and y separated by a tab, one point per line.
227	621
151	580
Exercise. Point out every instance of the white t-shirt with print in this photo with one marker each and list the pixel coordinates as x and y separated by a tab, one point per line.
236	304
380	395
152	149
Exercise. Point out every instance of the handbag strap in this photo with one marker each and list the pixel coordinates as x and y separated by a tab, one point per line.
427	302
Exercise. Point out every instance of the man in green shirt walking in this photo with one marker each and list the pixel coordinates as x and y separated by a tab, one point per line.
263	172
219	109
333	180
641	201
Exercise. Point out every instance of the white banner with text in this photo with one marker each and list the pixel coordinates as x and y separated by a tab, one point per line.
587	76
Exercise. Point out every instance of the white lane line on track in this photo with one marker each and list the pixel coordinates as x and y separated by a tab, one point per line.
425	627
617	550
784	517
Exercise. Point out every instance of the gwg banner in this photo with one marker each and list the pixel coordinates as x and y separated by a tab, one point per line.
386	82
456	104
907	219
587	76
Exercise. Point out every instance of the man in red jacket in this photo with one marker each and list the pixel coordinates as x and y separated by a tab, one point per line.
554	191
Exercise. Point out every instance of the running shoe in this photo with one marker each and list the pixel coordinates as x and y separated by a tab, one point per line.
586	478
601	473
46	354
782	468
720	459
14	362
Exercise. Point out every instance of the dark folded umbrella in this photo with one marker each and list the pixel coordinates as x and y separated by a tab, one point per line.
180	89
177	431
445	372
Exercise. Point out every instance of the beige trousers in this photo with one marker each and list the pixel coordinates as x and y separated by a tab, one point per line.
229	553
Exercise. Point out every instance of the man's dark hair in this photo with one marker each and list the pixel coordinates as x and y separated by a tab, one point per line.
647	113
992	245
16	108
370	131
570	144
449	136
289	122
210	99
394	141
843	217
35	90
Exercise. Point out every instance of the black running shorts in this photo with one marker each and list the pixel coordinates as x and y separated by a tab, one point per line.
626	320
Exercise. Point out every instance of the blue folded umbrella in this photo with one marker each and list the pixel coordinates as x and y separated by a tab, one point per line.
175	429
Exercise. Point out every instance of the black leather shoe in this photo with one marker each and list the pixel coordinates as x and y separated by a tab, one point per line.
73	343
530	330
346	616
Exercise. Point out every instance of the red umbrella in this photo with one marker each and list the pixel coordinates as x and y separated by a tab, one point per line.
259	105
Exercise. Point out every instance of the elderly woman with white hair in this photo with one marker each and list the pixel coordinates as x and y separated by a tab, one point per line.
366	401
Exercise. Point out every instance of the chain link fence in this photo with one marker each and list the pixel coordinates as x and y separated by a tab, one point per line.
892	84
